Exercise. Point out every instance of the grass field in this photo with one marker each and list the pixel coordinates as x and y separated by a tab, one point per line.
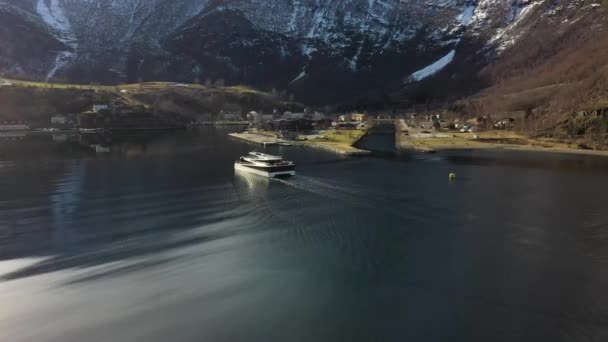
136	87
492	139
347	137
340	141
28	100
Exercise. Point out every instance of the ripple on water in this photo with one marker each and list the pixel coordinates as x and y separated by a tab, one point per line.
329	216
595	228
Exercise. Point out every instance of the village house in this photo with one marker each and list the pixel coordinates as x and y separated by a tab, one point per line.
504	123
100	107
346	126
59	119
13	126
357	117
4	82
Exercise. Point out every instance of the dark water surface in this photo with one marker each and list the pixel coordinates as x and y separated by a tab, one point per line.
159	240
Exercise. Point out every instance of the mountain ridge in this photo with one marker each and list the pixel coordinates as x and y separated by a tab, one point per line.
368	44
323	51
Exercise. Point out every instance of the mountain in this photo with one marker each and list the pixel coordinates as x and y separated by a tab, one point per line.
323	51
554	72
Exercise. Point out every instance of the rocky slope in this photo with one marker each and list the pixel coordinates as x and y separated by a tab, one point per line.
27	47
320	50
555	74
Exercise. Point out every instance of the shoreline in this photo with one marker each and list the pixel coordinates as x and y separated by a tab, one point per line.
505	147
420	145
340	148
489	140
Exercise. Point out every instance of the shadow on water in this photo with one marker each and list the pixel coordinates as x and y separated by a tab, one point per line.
529	160
96	241
77	211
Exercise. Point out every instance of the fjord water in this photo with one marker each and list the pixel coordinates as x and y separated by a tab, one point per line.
160	240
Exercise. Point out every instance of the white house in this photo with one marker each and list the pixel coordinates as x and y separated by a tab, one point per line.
100	107
59	119
13	126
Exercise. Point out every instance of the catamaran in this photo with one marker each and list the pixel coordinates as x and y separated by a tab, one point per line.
265	165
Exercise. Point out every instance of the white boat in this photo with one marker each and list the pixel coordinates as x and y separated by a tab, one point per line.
265	165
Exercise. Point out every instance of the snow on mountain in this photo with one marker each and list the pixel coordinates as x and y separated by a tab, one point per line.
300	76
27	48
506	37
467	14
292	45
51	12
433	68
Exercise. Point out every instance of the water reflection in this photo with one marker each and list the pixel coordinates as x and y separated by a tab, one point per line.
253	184
74	144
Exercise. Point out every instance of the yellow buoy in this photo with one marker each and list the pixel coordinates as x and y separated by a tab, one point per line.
452	176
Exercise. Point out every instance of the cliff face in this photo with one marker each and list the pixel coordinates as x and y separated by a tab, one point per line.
319	50
27	48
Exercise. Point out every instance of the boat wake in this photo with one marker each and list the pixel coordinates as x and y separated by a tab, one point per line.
362	197
322	188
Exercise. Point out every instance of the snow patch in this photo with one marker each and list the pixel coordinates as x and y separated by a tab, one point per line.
433	68
353	62
467	15
507	36
52	14
300	76
62	59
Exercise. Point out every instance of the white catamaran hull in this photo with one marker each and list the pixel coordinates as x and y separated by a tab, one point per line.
269	174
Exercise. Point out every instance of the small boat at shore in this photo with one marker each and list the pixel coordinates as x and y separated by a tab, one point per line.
265	165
